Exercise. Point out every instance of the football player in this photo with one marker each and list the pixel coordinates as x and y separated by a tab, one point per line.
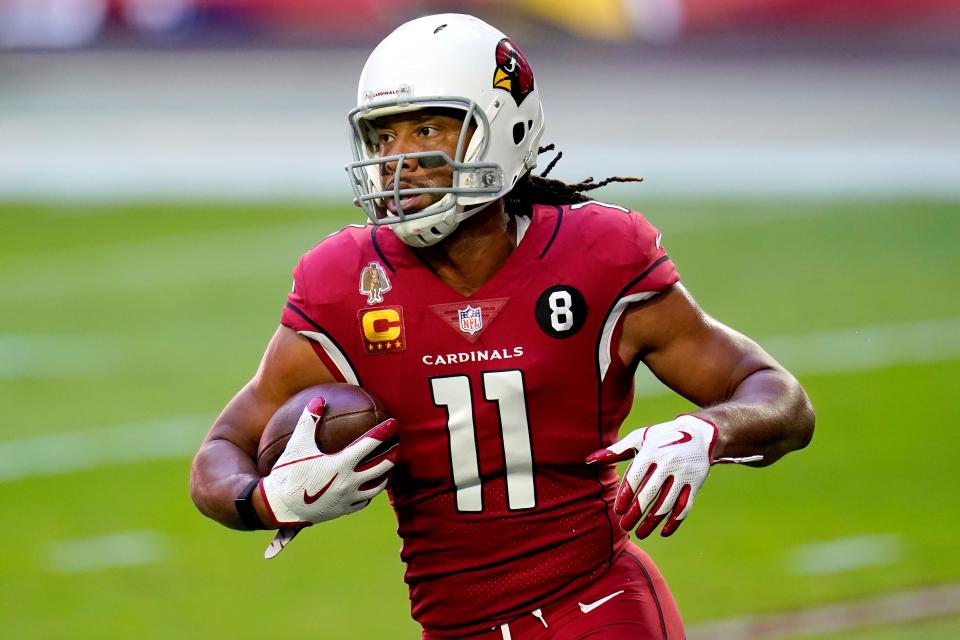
500	317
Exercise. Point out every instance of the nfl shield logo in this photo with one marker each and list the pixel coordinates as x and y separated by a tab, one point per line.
471	319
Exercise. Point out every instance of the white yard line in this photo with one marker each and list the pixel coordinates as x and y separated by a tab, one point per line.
888	609
843	351
71	452
844	554
121	549
871	347
851	350
55	356
167	261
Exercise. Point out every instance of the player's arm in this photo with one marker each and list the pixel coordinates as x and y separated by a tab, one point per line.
753	410
226	461
758	407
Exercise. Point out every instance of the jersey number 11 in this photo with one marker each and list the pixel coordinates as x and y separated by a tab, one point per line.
506	389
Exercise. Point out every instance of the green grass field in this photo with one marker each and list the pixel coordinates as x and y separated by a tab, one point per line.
122	315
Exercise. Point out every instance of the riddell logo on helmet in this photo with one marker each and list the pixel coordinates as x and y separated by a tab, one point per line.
513	72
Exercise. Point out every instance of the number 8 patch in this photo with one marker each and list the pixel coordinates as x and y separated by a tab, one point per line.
561	311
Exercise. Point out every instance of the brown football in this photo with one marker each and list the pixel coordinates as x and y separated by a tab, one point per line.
349	413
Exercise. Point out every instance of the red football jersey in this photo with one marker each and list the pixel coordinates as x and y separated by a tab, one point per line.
500	396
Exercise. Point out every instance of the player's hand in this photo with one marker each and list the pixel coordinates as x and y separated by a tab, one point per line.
670	464
307	486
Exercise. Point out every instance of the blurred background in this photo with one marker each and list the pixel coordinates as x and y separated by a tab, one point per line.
163	163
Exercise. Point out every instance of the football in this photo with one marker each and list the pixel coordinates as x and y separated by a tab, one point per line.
350	412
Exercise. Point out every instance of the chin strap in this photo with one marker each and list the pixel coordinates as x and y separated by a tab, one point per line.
420	239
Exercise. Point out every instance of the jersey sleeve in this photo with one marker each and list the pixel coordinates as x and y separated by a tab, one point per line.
625	246
301	315
655	271
295	311
321	281
645	269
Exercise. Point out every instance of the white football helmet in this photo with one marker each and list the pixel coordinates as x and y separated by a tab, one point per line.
448	61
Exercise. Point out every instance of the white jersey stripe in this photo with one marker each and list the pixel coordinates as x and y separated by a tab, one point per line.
334	353
605	355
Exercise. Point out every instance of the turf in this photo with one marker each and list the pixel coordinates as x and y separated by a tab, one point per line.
946	629
119	314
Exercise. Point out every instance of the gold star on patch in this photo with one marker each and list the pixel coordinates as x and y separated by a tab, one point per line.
399	344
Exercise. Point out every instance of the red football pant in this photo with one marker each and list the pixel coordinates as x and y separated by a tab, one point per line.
642	609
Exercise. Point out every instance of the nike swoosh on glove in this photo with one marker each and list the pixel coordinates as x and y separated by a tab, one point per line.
671	461
307	486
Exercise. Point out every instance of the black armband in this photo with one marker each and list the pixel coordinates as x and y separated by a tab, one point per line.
244	505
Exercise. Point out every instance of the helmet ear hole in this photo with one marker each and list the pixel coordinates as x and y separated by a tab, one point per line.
519	133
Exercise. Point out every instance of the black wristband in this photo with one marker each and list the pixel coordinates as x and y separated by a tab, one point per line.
244	505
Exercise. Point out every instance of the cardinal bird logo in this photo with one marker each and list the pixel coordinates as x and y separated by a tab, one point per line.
513	72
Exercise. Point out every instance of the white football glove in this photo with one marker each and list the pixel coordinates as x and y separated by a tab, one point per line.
670	463
307	486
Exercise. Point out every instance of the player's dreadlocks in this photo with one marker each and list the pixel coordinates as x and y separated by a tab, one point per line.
539	189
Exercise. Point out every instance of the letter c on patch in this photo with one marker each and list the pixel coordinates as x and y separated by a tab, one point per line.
381	325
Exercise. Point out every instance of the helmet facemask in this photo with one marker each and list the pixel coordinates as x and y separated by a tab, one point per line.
474	182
